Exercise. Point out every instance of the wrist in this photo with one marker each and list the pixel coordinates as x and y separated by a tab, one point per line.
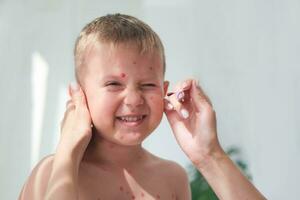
210	158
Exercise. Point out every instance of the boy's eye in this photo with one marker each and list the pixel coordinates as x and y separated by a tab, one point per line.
112	83
149	85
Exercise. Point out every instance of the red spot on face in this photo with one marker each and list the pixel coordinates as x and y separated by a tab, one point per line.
132	197
123	75
134	62
121	188
111	146
158	196
142	194
122	137
150	68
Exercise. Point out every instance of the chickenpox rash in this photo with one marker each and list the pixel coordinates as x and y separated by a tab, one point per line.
123	75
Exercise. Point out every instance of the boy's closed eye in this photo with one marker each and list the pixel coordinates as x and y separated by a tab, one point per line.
149	85
113	83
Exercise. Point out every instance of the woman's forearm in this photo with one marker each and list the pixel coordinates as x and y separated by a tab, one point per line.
63	182
226	179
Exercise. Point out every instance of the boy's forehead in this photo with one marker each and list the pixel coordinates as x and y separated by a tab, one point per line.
110	56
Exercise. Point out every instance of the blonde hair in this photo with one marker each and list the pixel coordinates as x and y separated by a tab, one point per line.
116	29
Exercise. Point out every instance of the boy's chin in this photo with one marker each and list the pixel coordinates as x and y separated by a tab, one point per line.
130	139
124	139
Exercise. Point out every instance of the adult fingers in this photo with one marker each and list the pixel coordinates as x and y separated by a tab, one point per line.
77	95
180	97
199	98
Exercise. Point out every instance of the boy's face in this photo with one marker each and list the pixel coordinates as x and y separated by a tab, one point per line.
124	91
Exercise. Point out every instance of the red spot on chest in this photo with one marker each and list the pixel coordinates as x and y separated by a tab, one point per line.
123	75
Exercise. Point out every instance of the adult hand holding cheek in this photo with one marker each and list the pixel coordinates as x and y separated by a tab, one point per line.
193	121
76	128
76	133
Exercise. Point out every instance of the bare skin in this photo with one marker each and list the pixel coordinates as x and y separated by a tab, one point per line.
113	165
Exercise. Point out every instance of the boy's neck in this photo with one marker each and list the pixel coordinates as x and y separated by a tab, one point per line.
105	152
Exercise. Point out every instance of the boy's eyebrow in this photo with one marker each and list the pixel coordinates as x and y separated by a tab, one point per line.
113	76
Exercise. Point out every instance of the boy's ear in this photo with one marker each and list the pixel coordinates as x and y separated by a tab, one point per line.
166	85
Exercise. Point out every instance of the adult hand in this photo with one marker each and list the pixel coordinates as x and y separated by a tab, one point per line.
76	128
193	121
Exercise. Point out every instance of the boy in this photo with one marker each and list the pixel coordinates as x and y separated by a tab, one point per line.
118	101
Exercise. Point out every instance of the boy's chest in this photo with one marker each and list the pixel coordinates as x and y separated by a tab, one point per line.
111	186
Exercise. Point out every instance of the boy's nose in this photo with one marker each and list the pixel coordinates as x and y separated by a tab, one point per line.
133	98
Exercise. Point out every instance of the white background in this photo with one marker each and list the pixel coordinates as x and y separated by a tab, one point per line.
244	52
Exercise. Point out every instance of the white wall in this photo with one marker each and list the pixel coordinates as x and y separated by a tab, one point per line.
245	54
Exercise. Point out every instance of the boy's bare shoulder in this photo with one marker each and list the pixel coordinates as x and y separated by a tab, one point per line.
36	185
175	175
169	169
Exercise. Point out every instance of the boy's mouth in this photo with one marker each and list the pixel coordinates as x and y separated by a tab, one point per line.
131	120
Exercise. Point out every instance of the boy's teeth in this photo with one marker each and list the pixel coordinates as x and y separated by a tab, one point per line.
131	119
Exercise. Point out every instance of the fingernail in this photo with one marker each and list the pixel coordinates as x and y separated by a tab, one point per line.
184	113
169	106
74	86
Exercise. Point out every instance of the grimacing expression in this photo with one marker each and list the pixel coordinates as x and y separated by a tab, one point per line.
124	91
